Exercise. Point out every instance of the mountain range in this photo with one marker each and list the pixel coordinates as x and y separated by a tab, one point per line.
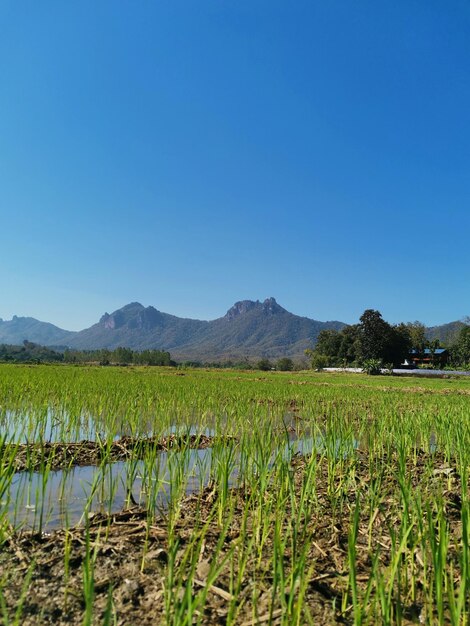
16	330
249	329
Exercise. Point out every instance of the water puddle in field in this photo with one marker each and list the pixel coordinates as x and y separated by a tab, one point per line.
23	427
335	447
56	427
61	498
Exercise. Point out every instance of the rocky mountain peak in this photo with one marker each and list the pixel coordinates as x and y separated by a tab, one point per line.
122	316
269	307
240	308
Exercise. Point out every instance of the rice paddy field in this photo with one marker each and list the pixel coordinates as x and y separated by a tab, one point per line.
146	496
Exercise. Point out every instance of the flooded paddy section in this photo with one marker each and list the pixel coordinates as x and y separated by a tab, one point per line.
319	499
68	490
150	569
68	498
28	425
57	455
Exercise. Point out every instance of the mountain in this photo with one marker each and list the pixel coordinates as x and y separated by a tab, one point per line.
16	330
248	329
446	333
138	327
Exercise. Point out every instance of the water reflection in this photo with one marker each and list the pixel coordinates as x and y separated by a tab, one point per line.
49	425
55	426
320	444
40	501
62	497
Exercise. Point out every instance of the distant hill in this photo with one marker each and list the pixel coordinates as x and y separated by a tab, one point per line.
249	329
16	330
446	333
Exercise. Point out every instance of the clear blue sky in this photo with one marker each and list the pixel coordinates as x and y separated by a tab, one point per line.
191	154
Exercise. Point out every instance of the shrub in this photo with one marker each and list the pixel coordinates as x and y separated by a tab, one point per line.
285	365
319	361
373	367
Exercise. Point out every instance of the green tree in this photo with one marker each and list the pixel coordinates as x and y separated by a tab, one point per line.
329	342
336	348
399	347
123	356
380	340
319	361
374	334
285	365
104	356
461	350
417	336
350	347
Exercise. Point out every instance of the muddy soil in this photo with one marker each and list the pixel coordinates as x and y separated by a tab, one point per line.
131	555
56	455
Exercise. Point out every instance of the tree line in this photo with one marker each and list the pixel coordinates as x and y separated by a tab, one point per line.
460	349
375	340
31	352
119	356
372	340
28	352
